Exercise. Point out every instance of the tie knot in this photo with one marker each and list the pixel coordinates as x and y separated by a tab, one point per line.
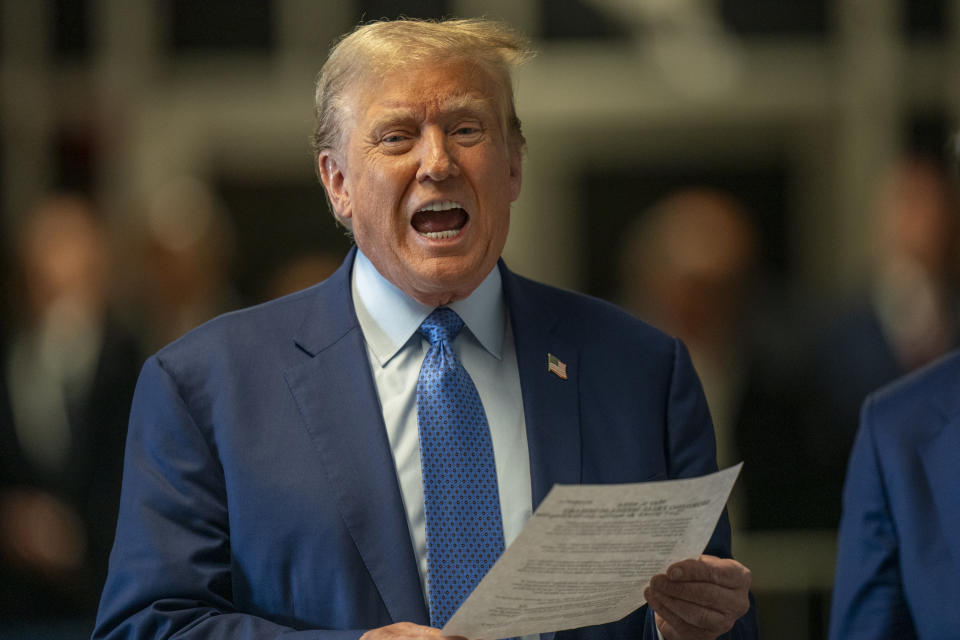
441	325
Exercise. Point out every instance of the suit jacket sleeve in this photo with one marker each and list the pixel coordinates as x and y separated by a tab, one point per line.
170	571
868	600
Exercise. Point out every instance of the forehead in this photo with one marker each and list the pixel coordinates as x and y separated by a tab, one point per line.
424	91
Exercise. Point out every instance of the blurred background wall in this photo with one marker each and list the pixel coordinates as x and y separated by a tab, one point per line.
764	178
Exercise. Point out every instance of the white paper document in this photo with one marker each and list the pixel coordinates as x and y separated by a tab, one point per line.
588	552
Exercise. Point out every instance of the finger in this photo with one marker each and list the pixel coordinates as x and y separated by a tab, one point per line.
673	627
402	631
722	571
722	599
695	613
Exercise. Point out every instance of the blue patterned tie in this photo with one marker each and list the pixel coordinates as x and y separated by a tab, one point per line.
464	528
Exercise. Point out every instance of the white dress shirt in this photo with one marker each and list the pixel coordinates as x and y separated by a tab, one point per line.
389	320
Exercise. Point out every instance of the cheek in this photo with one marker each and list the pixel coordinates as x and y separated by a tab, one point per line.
377	195
386	187
381	227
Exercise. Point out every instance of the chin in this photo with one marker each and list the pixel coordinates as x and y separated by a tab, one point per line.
457	274
437	290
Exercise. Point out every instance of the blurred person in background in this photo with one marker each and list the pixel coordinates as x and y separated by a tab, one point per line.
190	247
691	267
898	559
300	272
67	373
687	268
906	318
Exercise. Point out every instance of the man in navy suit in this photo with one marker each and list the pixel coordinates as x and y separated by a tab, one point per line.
272	476
898	563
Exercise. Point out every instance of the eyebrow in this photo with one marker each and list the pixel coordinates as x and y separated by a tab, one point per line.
462	103
469	103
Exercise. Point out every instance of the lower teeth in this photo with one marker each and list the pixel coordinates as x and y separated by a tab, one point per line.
441	235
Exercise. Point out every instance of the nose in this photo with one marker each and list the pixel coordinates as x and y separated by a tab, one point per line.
437	163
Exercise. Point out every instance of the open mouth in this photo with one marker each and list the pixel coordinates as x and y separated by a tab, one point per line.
440	220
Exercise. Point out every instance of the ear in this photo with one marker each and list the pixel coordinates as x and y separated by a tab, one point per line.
516	172
334	178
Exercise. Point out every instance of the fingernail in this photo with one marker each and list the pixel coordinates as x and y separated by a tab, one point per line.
676	573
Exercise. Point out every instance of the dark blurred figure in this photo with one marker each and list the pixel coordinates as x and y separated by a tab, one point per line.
67	372
300	272
691	267
907	318
687	271
914	295
189	256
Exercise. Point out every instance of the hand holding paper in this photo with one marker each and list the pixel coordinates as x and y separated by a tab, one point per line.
404	631
589	551
699	599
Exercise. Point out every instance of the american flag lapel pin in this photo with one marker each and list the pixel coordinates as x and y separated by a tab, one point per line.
556	366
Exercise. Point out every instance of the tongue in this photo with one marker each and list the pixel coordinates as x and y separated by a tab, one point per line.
433	221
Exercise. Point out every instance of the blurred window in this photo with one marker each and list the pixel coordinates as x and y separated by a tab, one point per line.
927	131
925	19
213	25
758	18
376	9
75	160
576	19
71	29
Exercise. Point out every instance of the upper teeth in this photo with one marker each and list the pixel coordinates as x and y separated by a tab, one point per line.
446	205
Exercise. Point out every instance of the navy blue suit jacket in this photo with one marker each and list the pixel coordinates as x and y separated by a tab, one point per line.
898	564
260	494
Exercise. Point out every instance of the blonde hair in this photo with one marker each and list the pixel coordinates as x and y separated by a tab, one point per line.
379	47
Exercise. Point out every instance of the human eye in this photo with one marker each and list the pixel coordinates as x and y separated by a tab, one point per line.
396	141
467	132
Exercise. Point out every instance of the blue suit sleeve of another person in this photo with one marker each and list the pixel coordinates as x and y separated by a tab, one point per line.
171	568
868	598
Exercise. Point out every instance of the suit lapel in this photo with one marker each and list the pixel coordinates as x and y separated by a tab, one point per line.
939	456
337	398
551	405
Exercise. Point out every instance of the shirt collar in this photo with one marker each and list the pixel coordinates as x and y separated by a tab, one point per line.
389	317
